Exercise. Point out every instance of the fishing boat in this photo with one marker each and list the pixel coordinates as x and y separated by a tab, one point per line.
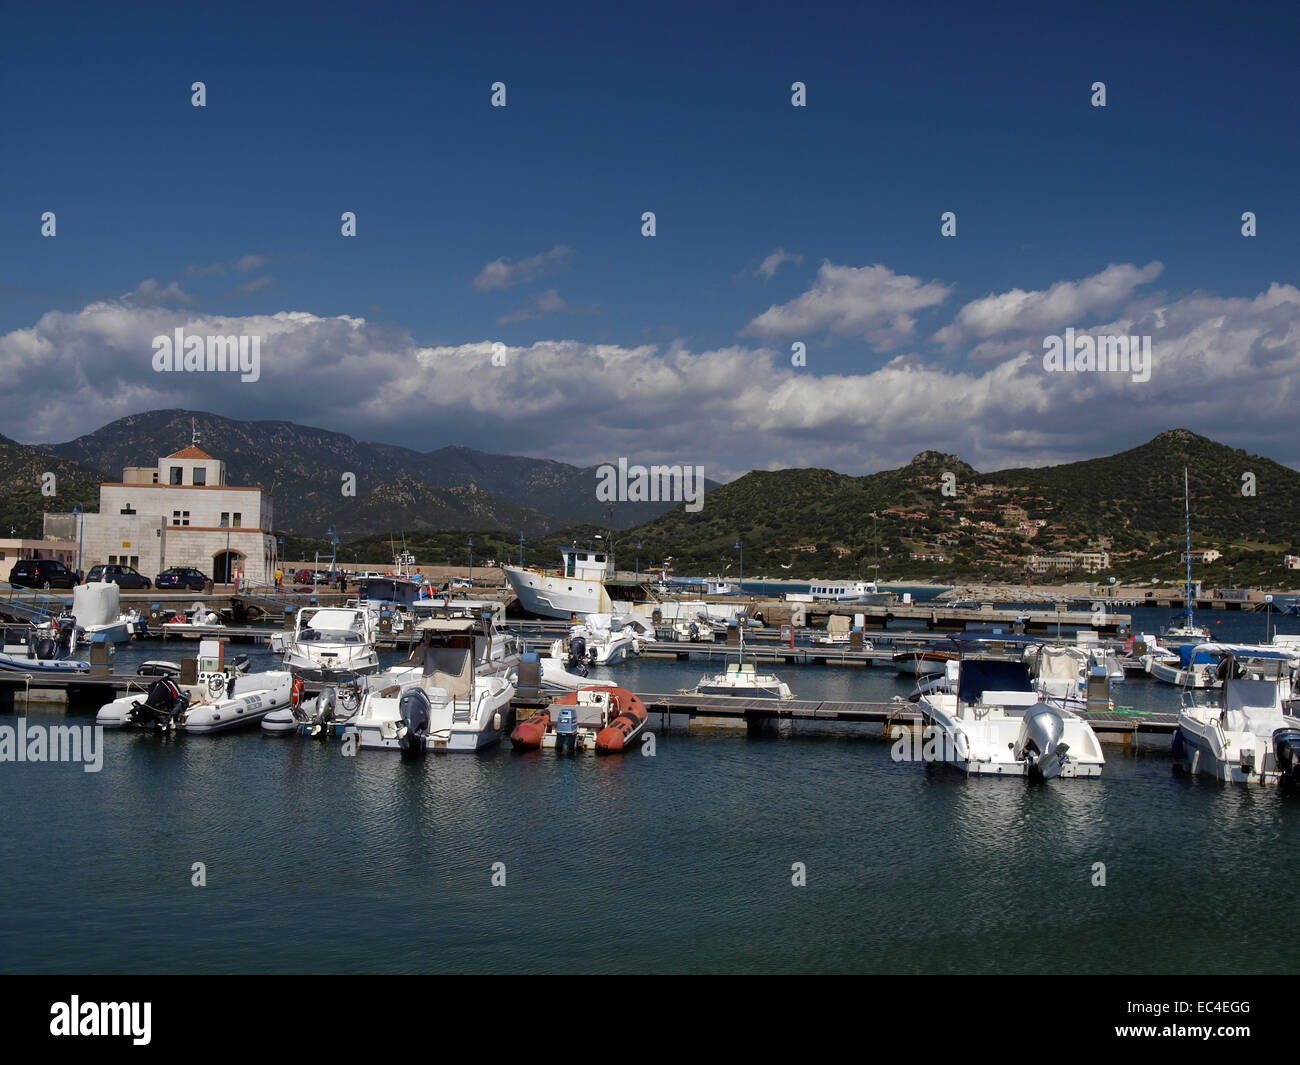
577	588
602	718
222	698
452	706
741	679
329	644
989	720
862	592
1246	735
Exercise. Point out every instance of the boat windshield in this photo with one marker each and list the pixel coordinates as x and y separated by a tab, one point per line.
387	590
979	676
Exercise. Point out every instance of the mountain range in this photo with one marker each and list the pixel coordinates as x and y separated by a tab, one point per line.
397	488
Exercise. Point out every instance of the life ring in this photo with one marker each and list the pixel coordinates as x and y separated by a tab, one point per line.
295	693
176	619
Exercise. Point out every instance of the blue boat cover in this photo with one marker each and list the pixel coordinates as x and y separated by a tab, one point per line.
1194	656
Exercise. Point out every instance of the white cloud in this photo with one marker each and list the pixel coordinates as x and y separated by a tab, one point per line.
243	265
768	267
1022	314
149	293
543	304
729	409
502	273
868	301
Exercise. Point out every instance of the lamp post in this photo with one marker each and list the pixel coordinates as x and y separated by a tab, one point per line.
1268	616
471	561
81	525
334	546
638	562
739	547
521	550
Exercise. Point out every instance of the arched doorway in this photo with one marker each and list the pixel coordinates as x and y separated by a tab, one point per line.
225	564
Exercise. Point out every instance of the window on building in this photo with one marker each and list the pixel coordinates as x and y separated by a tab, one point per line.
135	561
176	517
185	517
128	509
176	473
155	477
225	517
200	475
238	519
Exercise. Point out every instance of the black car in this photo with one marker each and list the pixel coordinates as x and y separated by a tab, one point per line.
41	573
181	577
124	576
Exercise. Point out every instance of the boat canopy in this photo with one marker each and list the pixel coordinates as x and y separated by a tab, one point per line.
390	590
981	675
447	625
1201	654
1250	651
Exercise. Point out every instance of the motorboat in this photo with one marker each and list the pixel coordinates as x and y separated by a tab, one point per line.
839	631
741	679
696	630
601	643
601	718
28	649
329	644
863	592
920	662
194	625
452	707
221	698
1245	735
1075	678
1194	666
989	720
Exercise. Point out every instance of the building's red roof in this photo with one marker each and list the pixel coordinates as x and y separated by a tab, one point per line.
190	452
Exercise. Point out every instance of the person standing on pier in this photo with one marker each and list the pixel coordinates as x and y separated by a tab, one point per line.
279	580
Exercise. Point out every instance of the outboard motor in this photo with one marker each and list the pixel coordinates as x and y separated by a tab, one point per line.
327	703
241	663
577	662
45	647
1039	743
414	710
1286	749
163	706
566	729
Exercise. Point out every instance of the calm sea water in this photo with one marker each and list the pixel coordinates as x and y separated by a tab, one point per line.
681	862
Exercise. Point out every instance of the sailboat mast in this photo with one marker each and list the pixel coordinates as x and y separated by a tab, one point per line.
1187	515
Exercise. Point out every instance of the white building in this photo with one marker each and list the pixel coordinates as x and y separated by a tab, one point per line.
179	513
1088	561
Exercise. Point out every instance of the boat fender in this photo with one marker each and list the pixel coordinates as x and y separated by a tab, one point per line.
496	721
295	693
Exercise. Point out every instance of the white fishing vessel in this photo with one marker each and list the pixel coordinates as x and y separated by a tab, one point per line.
329	644
989	720
578	587
838	592
1246	735
450	707
222	698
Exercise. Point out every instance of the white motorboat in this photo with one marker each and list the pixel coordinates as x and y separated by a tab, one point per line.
597	642
578	587
1194	666
697	630
839	631
28	649
741	679
1074	678
96	617
221	699
1246	736
329	644
451	707
987	719
194	625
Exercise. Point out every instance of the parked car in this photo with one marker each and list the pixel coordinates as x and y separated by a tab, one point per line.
124	576
181	577
41	573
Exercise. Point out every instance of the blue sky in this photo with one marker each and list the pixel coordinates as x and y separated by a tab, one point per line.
683	110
